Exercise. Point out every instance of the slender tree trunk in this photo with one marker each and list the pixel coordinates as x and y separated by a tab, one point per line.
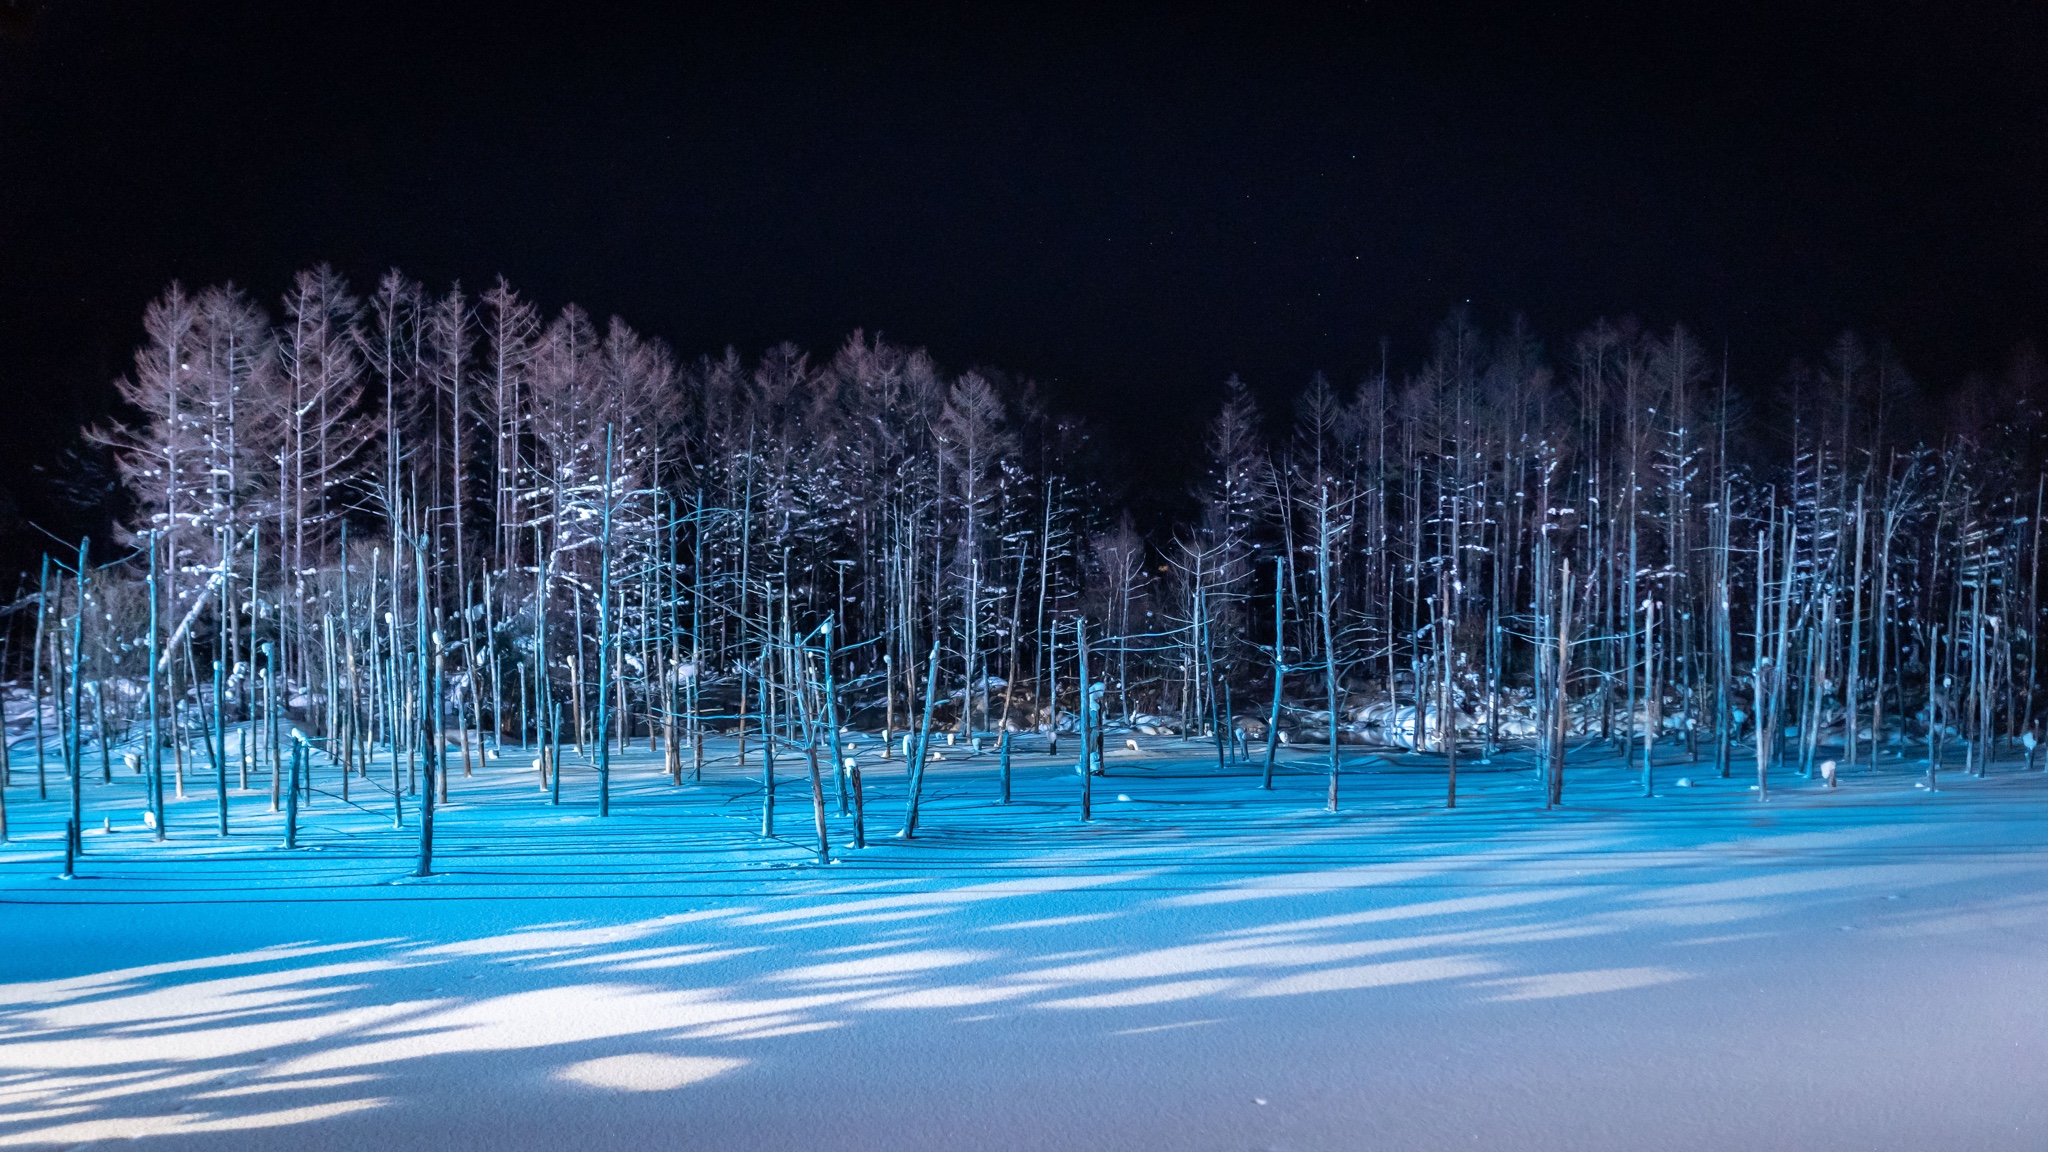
1003	764
924	736
1782	665
1323	546
270	716
553	738
1724	637
1560	707
99	709
2033	625
430	739
1052	672
291	812
818	800
220	762
1279	669
1882	611
1086	708
577	669
1852	667
767	748
1934	708
74	751
604	640
696	685
746	562
1652	719
154	741
839	768
437	703
1761	670
1449	720
36	687
1980	742
1050	675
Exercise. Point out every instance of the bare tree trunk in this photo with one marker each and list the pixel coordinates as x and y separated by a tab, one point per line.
1049	648
696	686
1980	721
1782	666
36	684
604	639
1560	707
1761	670
1652	710
1279	668
924	736
1853	666
270	717
818	795
767	749
1882	606
496	673
220	760
1815	693
832	709
1934	708
577	667
2033	626
1724	641
1052	673
553	739
1448	721
1323	548
74	751
155	738
1086	707
746	568
430	739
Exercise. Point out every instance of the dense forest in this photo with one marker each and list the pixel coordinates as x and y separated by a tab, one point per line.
395	532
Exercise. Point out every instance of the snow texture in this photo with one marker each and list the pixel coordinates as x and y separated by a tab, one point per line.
1205	966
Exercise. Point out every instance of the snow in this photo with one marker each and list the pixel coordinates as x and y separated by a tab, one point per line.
1206	965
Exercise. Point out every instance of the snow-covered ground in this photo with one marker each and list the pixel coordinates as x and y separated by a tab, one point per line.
1205	966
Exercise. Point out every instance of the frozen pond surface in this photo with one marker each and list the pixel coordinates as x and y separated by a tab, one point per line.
1205	966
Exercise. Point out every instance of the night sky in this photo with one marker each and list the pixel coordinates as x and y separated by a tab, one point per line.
1127	207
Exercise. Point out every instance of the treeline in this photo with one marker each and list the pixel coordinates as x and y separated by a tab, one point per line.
587	539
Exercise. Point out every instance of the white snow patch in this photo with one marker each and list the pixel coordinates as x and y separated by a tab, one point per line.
647	1071
1552	985
1146	994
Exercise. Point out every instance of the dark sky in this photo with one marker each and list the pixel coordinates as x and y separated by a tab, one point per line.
1127	205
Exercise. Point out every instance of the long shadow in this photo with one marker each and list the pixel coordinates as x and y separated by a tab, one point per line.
257	997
